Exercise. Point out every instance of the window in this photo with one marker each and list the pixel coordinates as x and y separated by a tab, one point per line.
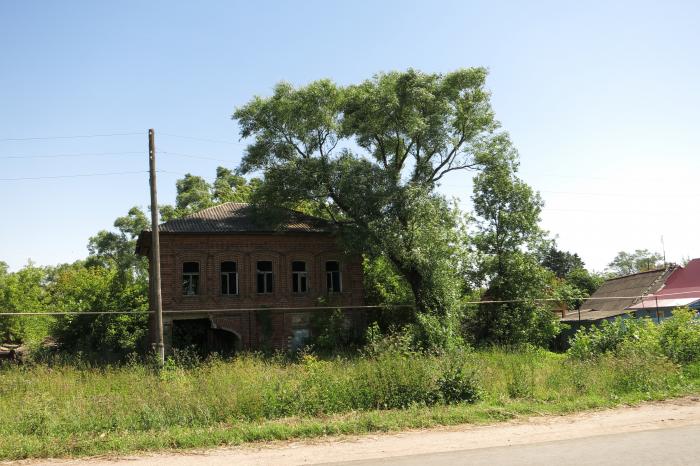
299	277
264	270
190	278
229	278
333	276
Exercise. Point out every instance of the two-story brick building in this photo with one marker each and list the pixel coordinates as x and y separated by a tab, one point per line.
230	280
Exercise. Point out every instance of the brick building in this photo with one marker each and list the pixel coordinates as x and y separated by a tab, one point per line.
231	281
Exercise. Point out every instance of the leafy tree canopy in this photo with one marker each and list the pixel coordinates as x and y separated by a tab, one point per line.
641	260
369	157
194	193
507	232
562	263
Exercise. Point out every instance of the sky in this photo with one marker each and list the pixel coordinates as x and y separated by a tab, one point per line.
601	98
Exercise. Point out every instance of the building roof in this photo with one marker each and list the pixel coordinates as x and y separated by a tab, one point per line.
681	289
236	218
615	295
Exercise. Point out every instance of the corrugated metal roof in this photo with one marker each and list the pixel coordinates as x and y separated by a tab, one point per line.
236	217
632	287
589	315
682	288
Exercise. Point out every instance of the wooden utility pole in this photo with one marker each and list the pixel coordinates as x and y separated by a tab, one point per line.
157	299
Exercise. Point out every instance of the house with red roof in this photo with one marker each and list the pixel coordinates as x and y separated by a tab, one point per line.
653	293
681	289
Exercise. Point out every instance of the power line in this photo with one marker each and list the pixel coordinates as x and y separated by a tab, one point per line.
81	154
194	138
202	157
615	194
82	136
82	175
320	308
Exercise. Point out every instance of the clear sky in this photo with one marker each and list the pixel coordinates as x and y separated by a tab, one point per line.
602	100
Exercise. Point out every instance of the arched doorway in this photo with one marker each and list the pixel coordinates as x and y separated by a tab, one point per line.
204	338
223	342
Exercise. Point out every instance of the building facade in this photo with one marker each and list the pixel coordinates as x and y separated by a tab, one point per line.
230	281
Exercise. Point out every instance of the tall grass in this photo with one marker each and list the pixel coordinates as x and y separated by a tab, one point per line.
67	410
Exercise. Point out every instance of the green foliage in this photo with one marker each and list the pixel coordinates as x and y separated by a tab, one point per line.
507	209
608	337
330	331
439	334
230	187
507	212
523	321
562	263
23	291
585	281
641	260
66	410
383	285
78	289
194	193
677	338
369	157
394	342
117	249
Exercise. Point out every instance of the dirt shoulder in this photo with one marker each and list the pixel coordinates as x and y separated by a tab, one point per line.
652	416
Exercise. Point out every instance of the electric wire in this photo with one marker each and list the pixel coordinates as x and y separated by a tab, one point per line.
79	154
394	306
80	175
81	136
195	138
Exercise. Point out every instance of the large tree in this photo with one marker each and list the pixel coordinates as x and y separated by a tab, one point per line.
641	260
194	193
369	156
560	262
508	234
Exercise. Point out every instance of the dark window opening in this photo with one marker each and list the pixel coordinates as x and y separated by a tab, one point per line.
299	277
229	278
333	279
264	276
190	278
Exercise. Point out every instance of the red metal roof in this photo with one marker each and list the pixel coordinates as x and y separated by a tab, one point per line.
682	288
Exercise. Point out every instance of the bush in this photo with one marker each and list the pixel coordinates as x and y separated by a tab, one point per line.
395	342
459	383
332	334
611	337
679	336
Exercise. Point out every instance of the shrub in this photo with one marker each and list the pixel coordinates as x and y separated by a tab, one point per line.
395	342
679	336
331	332
459	383
616	336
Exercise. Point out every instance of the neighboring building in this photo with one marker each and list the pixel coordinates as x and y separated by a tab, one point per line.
681	289
232	281
652	294
615	296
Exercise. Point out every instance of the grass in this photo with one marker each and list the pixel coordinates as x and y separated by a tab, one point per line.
65	410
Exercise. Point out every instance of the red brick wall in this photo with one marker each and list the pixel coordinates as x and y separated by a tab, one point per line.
246	250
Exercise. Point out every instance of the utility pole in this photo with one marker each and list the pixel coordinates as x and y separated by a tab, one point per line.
157	299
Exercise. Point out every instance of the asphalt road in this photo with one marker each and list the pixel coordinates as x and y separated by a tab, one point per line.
674	446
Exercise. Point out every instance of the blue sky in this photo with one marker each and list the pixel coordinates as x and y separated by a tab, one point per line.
602	100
